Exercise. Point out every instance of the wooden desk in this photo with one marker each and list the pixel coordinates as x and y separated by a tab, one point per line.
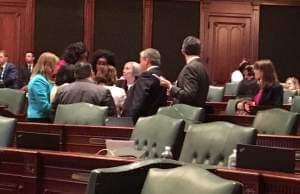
262	182
244	120
77	138
49	172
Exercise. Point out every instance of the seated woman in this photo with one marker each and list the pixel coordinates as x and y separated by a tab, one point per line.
248	86
270	92
131	71
237	75
39	88
292	84
107	76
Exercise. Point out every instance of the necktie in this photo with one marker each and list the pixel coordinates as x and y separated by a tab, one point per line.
1	72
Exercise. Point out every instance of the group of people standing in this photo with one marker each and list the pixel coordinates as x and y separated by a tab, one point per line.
140	91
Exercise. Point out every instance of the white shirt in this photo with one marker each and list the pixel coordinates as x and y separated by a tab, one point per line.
119	96
2	73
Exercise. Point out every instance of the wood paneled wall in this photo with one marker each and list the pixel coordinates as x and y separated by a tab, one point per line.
229	30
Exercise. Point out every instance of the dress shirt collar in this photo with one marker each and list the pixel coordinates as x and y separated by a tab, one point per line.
152	67
192	58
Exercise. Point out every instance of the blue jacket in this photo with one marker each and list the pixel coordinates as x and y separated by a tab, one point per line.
10	76
39	105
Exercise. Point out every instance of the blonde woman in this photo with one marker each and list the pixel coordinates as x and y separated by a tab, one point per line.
39	88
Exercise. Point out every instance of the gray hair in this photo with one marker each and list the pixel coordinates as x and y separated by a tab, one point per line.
191	46
136	68
153	55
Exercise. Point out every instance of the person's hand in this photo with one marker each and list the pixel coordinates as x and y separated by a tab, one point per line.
165	83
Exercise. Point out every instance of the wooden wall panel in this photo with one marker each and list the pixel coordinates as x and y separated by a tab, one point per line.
229	30
15	23
119	28
58	23
280	40
172	22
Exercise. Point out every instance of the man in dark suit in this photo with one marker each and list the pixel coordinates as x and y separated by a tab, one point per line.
146	96
26	69
192	82
8	72
84	89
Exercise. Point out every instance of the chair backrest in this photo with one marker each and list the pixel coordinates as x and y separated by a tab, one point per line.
231	106
7	128
188	179
231	88
13	99
80	113
190	114
212	143
296	104
130	178
153	133
215	94
286	95
276	121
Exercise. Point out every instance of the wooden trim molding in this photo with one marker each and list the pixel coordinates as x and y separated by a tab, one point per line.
89	21
29	26
147	23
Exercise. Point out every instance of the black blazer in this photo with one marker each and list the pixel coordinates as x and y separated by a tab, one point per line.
24	75
192	85
146	96
272	95
10	76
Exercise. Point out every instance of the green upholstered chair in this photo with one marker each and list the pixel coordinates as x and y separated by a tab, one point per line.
126	178
81	114
153	133
296	104
190	114
231	89
188	179
286	95
212	143
13	99
276	121
215	94
231	106
7	128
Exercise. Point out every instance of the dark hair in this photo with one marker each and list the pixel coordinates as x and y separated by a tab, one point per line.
103	53
107	75
243	65
82	70
269	75
74	52
249	70
66	74
31	52
4	53
191	46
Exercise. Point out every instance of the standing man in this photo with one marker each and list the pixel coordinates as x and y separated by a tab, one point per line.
192	82
8	72
146	96
26	69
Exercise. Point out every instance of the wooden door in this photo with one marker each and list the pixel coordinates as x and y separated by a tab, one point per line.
12	31
228	43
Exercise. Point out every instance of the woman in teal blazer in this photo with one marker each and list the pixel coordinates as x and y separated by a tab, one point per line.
39	88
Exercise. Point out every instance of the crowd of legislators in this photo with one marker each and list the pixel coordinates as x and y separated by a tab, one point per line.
140	91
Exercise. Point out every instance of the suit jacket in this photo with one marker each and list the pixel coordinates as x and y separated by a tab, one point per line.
24	75
85	91
247	88
272	95
192	85
10	76
145	96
